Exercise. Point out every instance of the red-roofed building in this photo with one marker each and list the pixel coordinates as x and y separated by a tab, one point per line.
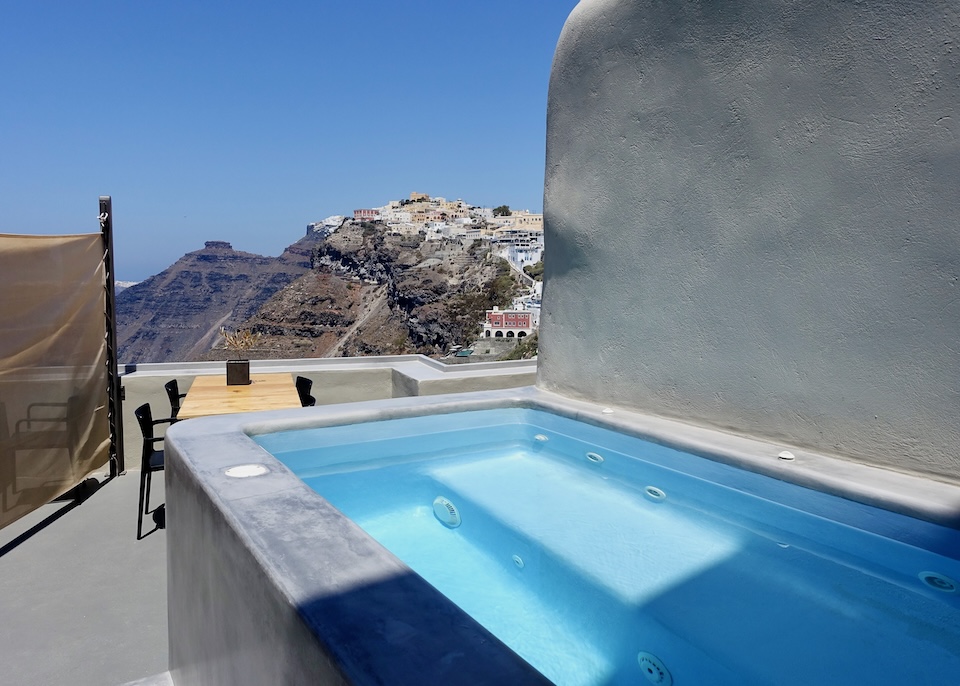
507	323
366	215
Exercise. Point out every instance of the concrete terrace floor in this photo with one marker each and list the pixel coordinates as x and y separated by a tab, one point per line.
83	602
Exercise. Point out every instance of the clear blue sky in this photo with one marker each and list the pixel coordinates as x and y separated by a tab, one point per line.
245	120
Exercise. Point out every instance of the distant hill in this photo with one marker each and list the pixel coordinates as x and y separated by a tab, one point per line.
358	291
176	315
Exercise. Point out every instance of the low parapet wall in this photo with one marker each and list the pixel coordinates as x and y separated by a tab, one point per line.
335	380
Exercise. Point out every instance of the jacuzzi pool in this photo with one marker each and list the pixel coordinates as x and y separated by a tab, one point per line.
599	546
603	558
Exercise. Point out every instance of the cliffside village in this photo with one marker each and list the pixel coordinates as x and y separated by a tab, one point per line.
514	235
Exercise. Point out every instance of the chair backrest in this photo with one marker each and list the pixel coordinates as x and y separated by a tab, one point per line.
173	394
303	390
145	418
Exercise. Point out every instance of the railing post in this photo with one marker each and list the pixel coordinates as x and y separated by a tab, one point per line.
114	407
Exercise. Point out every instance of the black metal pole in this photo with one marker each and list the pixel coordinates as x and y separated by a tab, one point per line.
114	407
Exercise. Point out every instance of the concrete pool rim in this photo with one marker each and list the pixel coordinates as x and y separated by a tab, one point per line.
915	495
309	558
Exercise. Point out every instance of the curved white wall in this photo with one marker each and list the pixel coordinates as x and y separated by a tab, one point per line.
752	217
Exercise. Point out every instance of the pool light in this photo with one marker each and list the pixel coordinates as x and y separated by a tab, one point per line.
243	471
654	494
446	512
654	669
938	581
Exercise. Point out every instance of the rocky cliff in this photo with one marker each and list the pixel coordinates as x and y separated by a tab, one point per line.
373	293
176	315
358	291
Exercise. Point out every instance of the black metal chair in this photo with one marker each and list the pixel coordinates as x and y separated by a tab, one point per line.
175	396
303	390
151	459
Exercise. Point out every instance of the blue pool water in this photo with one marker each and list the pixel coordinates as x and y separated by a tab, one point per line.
601	558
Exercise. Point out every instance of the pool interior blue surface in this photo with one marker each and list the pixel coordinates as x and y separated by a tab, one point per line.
581	548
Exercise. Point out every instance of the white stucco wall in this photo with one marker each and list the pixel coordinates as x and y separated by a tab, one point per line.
752	220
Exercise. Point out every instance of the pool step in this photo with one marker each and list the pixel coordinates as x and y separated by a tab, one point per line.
633	546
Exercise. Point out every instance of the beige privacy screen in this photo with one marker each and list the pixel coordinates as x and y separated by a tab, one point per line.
54	428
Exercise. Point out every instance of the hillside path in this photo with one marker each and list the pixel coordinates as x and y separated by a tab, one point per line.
379	298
